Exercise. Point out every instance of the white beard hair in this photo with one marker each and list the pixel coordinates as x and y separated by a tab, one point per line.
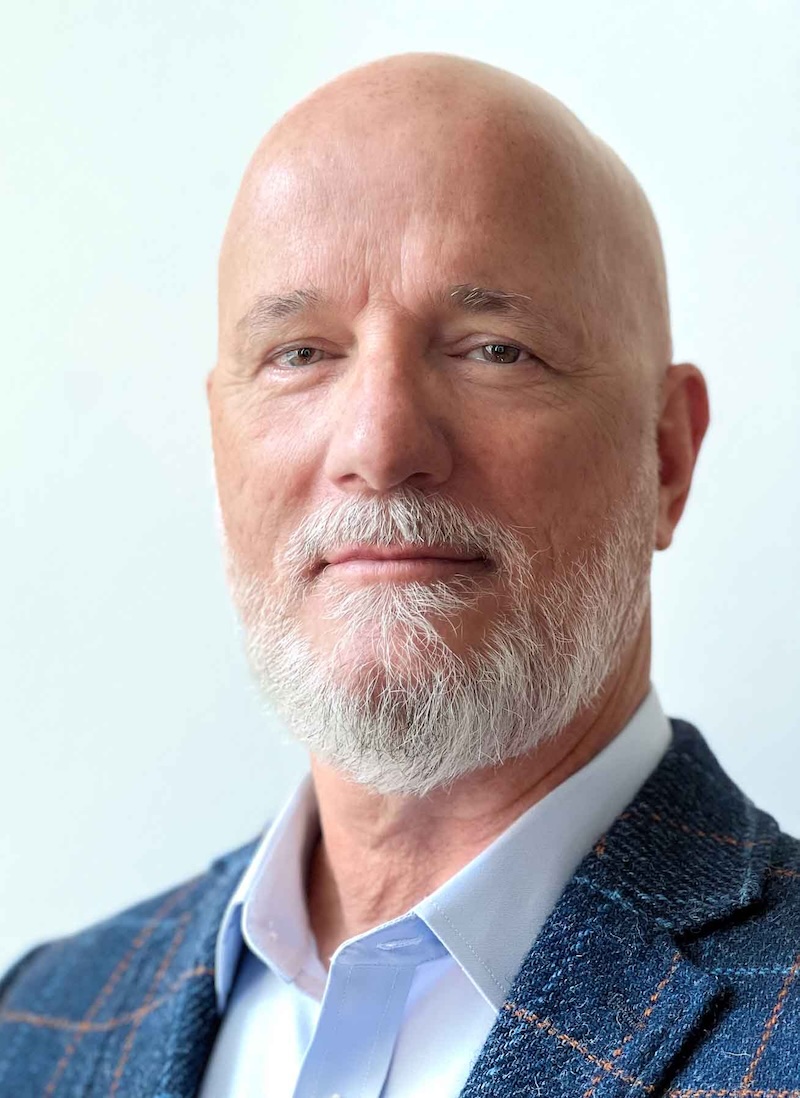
413	724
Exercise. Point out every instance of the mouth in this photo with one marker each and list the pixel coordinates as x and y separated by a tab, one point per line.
400	562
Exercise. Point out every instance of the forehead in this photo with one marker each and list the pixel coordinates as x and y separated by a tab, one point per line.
366	226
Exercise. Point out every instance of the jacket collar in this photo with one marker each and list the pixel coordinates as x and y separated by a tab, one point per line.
691	848
607	997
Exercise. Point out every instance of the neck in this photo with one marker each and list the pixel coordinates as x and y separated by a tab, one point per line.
378	854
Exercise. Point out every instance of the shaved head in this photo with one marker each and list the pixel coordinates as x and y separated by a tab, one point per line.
419	127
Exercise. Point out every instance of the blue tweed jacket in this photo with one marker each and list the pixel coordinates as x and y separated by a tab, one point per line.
669	968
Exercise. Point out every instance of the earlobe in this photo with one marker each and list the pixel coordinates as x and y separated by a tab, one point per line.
682	425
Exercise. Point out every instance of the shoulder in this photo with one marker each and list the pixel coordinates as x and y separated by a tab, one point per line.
736	873
694	864
137	923
89	985
752	1044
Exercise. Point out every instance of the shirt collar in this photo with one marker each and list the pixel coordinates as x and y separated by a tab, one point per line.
490	912
269	903
469	913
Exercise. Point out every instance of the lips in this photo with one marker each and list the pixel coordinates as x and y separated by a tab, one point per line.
392	553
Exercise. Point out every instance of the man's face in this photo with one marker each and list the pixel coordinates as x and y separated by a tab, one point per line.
402	330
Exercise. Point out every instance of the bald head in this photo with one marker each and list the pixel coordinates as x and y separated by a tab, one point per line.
431	135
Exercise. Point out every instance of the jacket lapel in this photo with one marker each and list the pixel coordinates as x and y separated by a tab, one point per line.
608	1000
195	1021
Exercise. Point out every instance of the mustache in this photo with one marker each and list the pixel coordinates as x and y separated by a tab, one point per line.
407	517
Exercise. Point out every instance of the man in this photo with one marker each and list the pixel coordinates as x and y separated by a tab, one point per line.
448	438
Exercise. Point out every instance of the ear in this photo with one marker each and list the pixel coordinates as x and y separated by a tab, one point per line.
682	425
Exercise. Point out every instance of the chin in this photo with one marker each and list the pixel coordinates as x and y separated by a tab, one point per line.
396	666
396	660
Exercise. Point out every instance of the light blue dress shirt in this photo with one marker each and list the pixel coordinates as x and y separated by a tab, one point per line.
405	1008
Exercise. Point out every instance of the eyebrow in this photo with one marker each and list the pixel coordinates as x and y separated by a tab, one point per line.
270	308
472	299
479	299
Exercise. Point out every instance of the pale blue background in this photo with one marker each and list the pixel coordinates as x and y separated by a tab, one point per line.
126	706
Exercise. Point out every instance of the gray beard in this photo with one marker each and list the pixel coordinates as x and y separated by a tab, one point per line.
415	715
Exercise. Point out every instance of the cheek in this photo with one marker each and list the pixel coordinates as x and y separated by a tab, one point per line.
264	468
554	473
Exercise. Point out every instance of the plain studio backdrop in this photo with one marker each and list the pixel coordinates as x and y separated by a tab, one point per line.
134	748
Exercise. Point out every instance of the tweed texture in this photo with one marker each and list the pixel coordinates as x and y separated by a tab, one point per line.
670	967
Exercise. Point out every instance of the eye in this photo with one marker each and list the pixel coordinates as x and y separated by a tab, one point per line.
504	354
293	357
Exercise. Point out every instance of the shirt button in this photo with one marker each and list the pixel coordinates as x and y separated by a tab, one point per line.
400	943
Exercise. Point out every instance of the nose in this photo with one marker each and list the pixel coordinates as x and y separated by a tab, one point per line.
389	425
